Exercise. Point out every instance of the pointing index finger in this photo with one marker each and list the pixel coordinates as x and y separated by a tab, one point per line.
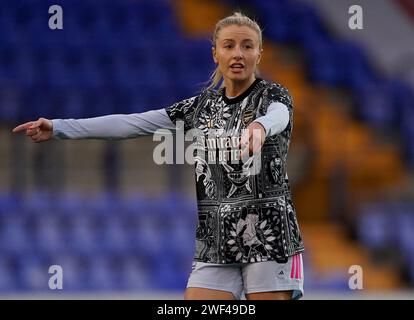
22	127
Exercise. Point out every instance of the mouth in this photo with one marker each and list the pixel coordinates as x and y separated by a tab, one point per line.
236	67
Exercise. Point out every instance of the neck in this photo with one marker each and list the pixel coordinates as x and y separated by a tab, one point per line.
235	88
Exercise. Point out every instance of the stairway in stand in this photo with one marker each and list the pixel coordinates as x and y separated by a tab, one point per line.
330	251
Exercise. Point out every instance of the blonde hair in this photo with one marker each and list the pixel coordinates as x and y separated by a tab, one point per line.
239	19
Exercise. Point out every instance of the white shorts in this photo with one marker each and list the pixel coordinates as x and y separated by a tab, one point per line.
248	278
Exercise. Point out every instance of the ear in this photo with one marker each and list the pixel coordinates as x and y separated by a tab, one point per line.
213	51
259	56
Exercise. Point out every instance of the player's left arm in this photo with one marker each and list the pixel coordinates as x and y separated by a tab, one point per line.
273	122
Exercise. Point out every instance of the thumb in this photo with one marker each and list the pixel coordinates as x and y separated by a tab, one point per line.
244	138
36	124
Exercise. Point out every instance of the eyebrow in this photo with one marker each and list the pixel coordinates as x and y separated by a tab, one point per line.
244	40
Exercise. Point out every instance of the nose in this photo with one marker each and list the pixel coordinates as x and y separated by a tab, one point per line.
238	54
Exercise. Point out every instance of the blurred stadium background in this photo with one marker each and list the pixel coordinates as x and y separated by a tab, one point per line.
122	226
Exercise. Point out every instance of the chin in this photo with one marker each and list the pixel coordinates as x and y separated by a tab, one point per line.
238	77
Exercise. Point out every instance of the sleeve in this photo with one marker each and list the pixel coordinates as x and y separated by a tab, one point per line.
183	111
113	127
277	107
275	120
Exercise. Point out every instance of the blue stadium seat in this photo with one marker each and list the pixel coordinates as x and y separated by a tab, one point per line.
404	231
90	72
14	235
180	243
114	235
376	106
100	103
167	277
403	97
38	202
8	282
11	103
335	281
103	274
135	206
104	203
134	274
49	233
373	227
74	104
74	269
70	203
82	235
10	203
33	273
9	72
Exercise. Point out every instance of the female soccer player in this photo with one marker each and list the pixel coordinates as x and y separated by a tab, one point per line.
247	237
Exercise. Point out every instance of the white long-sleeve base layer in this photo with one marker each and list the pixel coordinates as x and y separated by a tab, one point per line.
124	126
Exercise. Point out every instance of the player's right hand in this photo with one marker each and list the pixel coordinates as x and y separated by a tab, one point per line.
39	131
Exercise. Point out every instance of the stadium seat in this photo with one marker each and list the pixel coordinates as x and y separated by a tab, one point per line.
114	235
373	227
404	226
10	203
33	273
134	275
8	282
14	235
102	274
10	103
82	237
376	106
74	270
49	233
